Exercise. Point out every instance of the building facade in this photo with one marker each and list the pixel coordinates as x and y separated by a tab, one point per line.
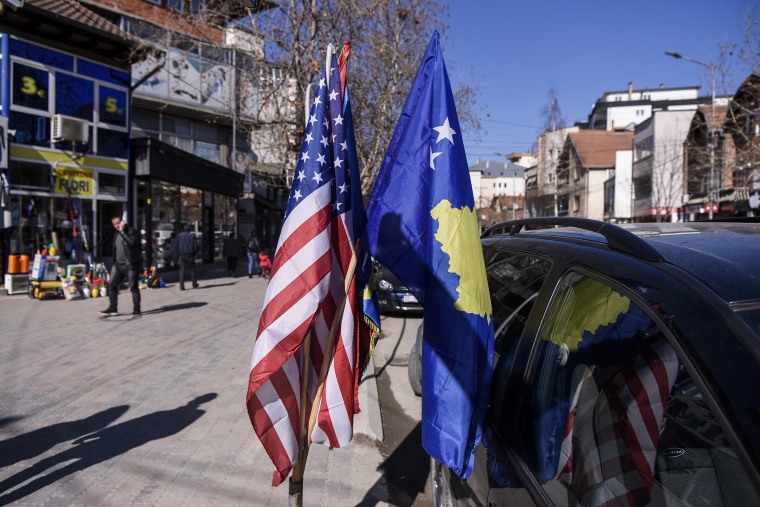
65	97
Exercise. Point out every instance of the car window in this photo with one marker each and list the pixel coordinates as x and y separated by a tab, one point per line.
612	415
514	281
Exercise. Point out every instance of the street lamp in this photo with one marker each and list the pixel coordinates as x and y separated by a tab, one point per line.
711	126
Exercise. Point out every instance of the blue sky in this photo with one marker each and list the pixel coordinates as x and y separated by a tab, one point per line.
514	51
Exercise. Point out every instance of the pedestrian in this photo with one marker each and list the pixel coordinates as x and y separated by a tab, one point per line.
185	250
126	264
232	249
266	264
254	247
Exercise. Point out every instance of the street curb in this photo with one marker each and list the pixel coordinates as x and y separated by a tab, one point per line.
369	421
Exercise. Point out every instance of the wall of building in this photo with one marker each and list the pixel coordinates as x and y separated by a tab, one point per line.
623	209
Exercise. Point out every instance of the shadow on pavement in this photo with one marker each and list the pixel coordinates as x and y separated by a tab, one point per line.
171	308
392	357
403	474
105	444
209	286
34	443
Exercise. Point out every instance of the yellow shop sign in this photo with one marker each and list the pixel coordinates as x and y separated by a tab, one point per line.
70	180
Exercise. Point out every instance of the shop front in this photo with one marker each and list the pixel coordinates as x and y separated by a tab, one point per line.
55	201
67	158
175	189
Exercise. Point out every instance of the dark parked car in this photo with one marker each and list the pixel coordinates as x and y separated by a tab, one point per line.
392	295
626	368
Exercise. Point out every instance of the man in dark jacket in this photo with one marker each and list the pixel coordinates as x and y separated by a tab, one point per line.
127	260
232	249
186	247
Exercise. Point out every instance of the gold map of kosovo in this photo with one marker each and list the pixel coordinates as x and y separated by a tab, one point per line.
458	234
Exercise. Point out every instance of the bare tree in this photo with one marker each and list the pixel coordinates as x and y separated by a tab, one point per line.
387	38
551	113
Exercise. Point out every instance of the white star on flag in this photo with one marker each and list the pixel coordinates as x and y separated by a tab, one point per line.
339	120
344	145
305	156
313	119
308	137
301	175
321	158
333	95
297	195
445	131
322	83
317	177
434	155
343	188
324	141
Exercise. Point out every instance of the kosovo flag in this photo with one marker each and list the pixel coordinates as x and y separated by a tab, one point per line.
421	224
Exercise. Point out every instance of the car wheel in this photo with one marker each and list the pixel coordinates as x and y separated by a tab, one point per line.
414	370
440	485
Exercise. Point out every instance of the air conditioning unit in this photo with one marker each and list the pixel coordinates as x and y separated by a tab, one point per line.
66	128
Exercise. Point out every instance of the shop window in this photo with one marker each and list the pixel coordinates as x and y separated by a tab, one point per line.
112	143
41	55
31	87
74	96
111	183
30	129
29	175
31	232
112	106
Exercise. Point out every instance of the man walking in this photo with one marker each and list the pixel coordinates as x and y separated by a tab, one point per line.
126	264
232	249
186	250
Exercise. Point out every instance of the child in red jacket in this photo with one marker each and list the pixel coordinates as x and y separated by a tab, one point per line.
265	264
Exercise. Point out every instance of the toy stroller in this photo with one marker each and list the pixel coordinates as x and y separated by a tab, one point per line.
265	265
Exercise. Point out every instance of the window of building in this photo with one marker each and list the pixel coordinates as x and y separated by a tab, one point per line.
30	129
112	106
31	87
576	203
69	86
112	183
74	96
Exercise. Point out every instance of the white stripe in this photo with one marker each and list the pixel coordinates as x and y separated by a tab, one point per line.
311	204
297	264
340	419
293	317
275	409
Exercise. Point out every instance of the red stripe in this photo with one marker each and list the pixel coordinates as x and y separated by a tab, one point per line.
295	291
270	440
276	357
301	235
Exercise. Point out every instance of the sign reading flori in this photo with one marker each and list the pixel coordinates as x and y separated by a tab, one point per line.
74	181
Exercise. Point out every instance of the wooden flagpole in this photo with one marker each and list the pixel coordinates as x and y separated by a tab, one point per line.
296	480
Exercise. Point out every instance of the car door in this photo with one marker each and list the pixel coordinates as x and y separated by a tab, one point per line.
603	411
515	281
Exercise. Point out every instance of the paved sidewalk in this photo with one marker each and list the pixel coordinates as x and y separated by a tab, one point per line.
151	411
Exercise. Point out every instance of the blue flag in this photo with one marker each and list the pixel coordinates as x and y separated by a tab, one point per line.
421	224
370	307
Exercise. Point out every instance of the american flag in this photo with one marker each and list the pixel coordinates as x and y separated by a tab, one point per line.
307	291
609	446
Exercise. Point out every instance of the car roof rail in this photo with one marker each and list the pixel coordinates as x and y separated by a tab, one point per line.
617	237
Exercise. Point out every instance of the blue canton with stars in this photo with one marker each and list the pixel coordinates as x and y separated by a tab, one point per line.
323	158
